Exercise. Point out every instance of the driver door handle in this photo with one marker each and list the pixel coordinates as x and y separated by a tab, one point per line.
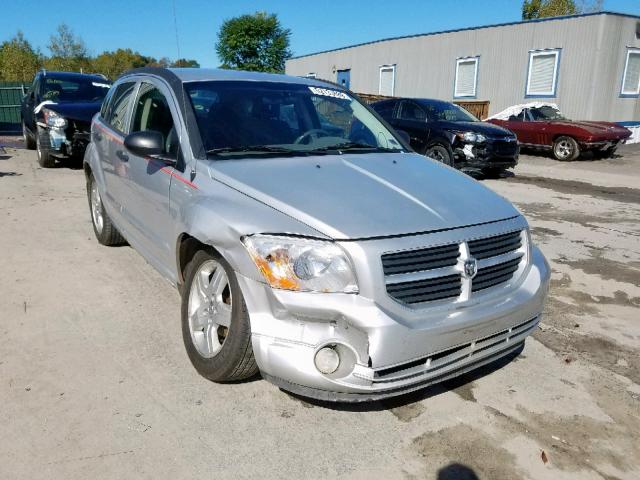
122	155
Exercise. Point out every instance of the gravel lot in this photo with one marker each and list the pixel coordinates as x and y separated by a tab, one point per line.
95	382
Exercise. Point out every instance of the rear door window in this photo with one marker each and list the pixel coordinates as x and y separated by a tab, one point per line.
412	112
118	106
385	109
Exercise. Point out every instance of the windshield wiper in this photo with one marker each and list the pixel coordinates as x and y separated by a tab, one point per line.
251	149
353	146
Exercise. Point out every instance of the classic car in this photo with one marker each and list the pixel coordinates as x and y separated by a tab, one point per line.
541	126
56	113
448	133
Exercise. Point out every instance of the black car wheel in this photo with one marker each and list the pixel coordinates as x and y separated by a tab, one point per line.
566	149
215	322
439	153
29	142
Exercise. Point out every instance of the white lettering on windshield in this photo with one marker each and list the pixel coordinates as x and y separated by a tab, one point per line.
325	92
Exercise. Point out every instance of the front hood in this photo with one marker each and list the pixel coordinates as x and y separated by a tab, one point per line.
596	128
485	128
356	196
82	112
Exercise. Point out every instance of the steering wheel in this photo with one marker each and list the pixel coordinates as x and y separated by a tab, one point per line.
314	133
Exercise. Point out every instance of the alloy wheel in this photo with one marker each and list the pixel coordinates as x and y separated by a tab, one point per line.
563	149
209	309
96	208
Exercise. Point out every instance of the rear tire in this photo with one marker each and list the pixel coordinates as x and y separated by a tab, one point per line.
219	352
43	148
439	153
566	149
106	232
29	141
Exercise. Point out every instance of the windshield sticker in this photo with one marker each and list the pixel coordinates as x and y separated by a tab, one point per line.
325	92
103	85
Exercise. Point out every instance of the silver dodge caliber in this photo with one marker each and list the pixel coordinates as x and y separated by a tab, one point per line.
308	242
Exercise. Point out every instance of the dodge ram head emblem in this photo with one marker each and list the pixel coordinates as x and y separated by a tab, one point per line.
470	267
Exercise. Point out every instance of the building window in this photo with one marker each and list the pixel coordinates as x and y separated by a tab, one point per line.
387	80
631	75
466	77
310	75
542	77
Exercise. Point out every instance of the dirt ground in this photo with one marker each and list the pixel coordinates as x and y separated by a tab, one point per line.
95	383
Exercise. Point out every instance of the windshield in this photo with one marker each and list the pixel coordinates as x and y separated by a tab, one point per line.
75	89
449	112
546	113
247	118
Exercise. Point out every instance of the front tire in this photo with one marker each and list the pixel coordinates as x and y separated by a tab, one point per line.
106	232
440	153
215	322
566	149
43	148
29	141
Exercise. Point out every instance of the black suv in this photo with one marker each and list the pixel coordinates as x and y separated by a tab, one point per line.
448	133
57	111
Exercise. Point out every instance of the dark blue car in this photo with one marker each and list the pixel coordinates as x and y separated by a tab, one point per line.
448	133
57	111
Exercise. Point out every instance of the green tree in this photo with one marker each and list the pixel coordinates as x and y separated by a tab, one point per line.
555	8
18	60
68	51
254	42
547	8
185	63
113	64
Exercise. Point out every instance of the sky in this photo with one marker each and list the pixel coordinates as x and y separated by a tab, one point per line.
148	25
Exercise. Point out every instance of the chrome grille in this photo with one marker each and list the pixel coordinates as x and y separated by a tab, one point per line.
438	273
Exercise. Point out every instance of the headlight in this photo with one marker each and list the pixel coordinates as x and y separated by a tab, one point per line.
53	119
299	264
471	137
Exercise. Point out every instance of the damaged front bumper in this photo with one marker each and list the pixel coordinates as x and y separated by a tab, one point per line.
385	354
494	153
67	142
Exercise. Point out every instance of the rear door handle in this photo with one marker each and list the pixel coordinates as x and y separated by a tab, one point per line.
97	136
122	156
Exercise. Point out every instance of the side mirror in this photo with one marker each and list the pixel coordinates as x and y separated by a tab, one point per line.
404	136
148	143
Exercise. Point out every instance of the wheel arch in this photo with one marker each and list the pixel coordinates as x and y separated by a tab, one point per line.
186	247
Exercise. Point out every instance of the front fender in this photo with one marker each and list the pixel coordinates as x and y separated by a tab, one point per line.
220	216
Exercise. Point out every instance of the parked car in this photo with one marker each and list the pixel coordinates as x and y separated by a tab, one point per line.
307	241
448	133
56	113
541	126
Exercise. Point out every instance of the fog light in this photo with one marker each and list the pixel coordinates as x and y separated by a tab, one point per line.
327	360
